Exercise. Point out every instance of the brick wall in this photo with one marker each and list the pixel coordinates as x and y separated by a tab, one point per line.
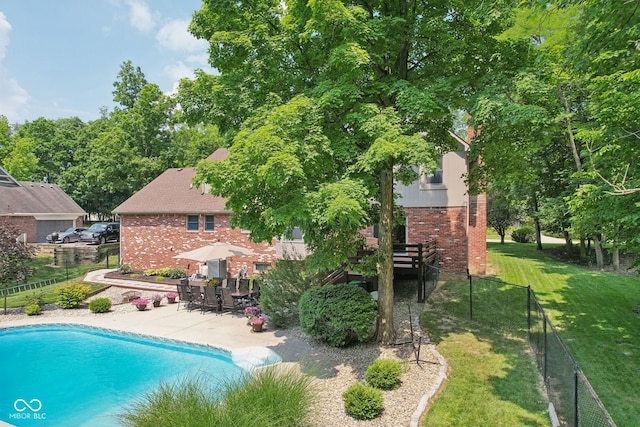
447	226
478	234
26	224
152	241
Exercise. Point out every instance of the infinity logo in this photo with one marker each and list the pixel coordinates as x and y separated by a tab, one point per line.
21	405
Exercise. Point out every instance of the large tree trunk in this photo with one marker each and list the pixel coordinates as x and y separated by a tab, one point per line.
536	223
385	330
567	241
597	245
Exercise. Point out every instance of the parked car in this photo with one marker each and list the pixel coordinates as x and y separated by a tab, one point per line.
101	232
70	235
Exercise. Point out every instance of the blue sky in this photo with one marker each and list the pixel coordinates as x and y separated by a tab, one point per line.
59	58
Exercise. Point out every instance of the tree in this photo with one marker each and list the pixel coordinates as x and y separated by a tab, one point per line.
15	257
20	162
129	84
337	101
501	213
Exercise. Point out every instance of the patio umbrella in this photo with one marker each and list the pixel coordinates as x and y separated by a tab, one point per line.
217	250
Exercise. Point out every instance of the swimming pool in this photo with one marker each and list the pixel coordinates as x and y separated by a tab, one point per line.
67	375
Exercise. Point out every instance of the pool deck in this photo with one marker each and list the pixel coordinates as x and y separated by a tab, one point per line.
222	330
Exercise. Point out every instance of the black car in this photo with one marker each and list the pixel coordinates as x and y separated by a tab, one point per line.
70	235
101	233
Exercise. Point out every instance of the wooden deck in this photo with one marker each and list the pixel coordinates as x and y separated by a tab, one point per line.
409	260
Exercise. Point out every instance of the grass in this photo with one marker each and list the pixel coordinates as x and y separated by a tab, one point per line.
44	270
493	378
593	312
272	397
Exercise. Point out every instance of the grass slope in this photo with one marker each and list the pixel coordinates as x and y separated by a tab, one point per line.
593	313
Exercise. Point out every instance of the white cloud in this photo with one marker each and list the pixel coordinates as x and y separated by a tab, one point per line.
177	72
14	97
140	16
5	29
174	35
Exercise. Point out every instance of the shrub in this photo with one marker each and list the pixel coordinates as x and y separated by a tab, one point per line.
525	234
100	305
172	272
384	374
339	314
126	269
253	400
281	289
362	401
151	272
70	296
37	298
32	309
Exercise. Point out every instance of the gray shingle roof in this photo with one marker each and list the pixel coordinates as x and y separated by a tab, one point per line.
173	192
31	198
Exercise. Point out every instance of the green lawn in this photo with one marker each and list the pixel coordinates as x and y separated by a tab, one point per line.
593	313
44	270
493	379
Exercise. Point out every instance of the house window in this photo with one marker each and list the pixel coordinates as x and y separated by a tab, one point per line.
208	223
261	267
399	233
192	222
436	175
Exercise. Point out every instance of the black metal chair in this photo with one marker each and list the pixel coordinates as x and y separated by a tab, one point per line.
184	296
210	300
228	302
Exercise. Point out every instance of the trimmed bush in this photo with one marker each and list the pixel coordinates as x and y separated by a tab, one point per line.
70	296
362	401
100	305
338	314
525	234
126	269
384	374
37	298
172	272
32	310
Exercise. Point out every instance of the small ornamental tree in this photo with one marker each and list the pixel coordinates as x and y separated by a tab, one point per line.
15	257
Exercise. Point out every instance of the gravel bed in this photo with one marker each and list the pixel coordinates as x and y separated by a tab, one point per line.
402	407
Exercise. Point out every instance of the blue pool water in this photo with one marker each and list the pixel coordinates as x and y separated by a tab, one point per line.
79	376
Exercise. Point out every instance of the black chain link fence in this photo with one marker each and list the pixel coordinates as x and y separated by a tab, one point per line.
514	309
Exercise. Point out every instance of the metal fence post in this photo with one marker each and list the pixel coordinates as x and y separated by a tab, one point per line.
529	314
470	296
544	350
575	395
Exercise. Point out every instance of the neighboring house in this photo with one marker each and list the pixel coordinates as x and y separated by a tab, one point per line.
170	216
37	208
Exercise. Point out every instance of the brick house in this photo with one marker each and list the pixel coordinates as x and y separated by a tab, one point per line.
439	207
37	208
170	216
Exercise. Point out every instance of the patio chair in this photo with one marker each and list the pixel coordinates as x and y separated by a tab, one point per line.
228	302
232	283
185	296
210	300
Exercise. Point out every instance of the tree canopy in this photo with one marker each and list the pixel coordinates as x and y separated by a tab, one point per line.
329	103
